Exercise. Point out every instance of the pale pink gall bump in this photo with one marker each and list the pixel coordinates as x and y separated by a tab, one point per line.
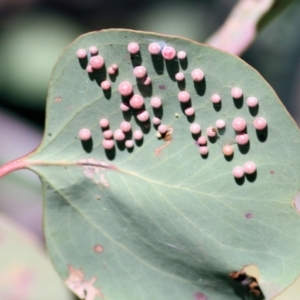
189	111
181	54
129	143
114	67
139	72
227	150
89	69
220	124
215	98
84	134
202	140
111	71
105	85
98	249
179	76
195	128
97	62
239	124
154	48
138	134
81	53
249	167
156	121
168	53
197	75
183	96
242	138
125	88
236	93
103	123
143	116
252	101
108	144
147	81
203	150
211	131
93	50
133	48
136	101
162	129
238	172
125	126
119	135
260	123
124	106
155	102
108	134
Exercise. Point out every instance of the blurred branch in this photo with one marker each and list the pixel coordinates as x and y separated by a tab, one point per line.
241	26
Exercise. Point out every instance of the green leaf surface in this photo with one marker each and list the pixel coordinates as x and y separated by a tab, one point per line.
26	273
162	221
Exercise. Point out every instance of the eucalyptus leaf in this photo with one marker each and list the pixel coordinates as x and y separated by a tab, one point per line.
160	221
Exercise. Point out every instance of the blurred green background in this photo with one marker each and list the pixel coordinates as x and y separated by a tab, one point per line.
33	33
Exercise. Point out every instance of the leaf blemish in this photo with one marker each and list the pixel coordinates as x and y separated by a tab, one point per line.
80	287
200	296
93	171
98	249
297	202
167	136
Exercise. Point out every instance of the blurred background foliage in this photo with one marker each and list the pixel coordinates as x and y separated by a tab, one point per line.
33	33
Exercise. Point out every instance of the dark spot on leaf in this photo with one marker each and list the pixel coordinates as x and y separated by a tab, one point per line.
217	106
83	62
262	135
158	112
172	67
49	134
114	76
244	148
238	102
251	177
181	84
200	87
98	75
110	153
107	93
254	110
162	87
136	59
145	90
87	145
158	63
239	181
184	63
272	172
229	157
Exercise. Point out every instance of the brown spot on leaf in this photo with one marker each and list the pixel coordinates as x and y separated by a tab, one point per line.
166	137
98	249
80	287
57	99
248	276
272	172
